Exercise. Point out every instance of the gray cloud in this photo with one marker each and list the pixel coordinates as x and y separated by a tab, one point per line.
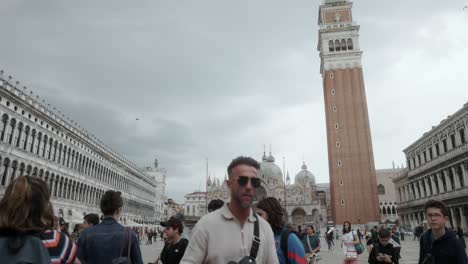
218	79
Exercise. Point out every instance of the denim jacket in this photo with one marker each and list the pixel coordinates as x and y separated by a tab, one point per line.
103	242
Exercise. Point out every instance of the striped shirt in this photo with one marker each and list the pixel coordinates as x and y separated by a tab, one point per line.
61	249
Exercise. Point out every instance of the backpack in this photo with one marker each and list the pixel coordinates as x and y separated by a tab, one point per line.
23	249
284	243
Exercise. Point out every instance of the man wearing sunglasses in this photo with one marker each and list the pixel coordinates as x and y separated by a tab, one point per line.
226	235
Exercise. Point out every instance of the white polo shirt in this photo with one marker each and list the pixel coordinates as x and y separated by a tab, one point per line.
219	237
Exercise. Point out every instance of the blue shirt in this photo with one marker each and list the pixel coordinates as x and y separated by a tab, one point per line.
296	254
103	242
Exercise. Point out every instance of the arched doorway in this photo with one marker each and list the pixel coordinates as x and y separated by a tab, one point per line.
298	217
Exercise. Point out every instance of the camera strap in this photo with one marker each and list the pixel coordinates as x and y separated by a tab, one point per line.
256	239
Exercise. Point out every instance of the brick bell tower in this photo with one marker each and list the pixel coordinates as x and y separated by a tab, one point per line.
353	184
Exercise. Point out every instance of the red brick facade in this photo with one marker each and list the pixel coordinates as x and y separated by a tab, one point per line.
351	162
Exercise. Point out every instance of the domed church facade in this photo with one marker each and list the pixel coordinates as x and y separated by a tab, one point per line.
302	203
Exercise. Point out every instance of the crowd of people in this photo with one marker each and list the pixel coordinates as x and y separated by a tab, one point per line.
234	232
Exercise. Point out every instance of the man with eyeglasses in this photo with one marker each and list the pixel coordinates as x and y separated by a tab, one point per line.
438	245
226	235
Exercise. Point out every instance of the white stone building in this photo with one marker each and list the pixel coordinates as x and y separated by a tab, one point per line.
437	169
305	202
77	166
195	204
387	194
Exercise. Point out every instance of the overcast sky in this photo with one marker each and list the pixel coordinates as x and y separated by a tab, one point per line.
217	79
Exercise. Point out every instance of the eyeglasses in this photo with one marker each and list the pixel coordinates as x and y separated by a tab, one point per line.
436	216
243	180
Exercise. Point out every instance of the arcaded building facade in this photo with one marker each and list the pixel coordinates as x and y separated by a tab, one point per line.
350	154
78	167
437	169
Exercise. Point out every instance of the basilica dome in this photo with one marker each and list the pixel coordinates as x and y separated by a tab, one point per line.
269	169
304	177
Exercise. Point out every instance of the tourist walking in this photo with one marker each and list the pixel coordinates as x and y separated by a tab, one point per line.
27	233
289	248
90	220
175	246
311	243
383	251
329	235
395	241
109	241
438	245
227	234
348	241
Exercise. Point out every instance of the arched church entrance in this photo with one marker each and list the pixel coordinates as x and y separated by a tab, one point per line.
298	217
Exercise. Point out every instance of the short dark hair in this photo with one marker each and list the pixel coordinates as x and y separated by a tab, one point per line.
92	218
215	205
436	204
242	160
311	227
384	233
175	223
110	202
275	212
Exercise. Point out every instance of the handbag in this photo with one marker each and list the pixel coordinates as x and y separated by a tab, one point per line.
120	259
351	255
359	247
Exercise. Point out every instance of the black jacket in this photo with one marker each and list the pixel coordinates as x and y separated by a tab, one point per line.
447	249
387	250
172	254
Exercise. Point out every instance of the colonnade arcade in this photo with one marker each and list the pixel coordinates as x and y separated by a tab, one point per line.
76	168
445	180
64	187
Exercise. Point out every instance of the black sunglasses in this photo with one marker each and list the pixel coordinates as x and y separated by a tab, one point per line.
243	180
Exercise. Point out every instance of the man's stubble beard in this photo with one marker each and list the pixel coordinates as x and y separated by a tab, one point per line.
244	205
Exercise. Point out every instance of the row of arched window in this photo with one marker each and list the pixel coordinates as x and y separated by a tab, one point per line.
338	45
23	136
64	187
388	210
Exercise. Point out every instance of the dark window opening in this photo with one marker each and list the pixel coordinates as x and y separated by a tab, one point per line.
430	153
452	138
337	45
444	145
331	46
343	44
437	149
462	136
350	44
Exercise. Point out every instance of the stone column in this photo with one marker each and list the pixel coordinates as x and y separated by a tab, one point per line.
452	216
439	176
433	183
427	183
462	218
456	178
423	187
447	180
417	190
464	173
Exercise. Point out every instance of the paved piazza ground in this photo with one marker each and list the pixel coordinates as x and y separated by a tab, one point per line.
409	253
